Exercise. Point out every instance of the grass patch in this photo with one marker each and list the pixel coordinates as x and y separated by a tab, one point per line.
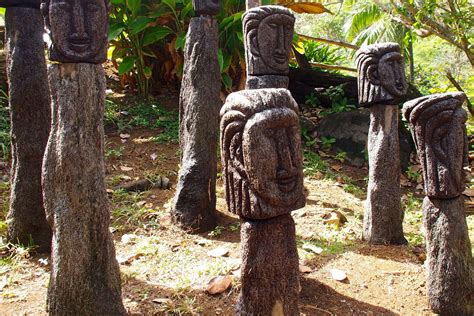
5	140
143	115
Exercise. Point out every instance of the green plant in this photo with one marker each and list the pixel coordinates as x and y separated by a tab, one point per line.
313	163
321	53
307	139
138	25
5	140
312	100
327	142
339	102
114	152
217	231
413	175
341	156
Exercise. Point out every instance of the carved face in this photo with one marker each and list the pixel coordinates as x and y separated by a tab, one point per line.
273	40
78	30
272	156
392	75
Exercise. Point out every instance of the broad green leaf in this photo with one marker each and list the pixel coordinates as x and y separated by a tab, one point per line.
170	3
139	24
115	30
188	9
117	2
307	7
220	59
126	65
180	41
155	33
227	60
227	81
134	5
147	72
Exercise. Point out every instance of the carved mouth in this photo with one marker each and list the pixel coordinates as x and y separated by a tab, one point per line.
280	58
287	183
79	45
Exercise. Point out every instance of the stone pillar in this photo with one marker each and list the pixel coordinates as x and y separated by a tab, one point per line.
268	36
195	200
85	277
381	84
263	168
438	127
30	122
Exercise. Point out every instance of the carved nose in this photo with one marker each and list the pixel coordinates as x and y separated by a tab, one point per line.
78	22
285	165
280	49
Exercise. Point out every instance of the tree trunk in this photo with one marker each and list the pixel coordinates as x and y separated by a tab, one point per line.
195	199
85	277
450	263
269	271
383	215
30	124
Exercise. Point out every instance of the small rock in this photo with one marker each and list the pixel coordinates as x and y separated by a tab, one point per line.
219	284
162	301
125	168
125	136
128	258
218	252
305	269
317	250
338	275
128	238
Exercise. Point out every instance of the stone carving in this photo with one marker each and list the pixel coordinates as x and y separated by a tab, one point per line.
206	7
35	4
78	30
30	121
437	123
381	82
261	153
437	126
381	77
268	33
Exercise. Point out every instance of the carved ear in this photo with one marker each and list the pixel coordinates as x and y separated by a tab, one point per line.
373	74
253	43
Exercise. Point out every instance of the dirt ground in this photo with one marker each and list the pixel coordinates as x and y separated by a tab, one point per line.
166	271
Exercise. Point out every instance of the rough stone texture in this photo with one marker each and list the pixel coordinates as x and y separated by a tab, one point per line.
261	153
206	7
78	30
350	129
195	199
85	277
381	75
269	277
268	34
268	81
450	262
437	124
383	215
20	3
30	123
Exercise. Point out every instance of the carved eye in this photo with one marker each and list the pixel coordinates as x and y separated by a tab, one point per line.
91	7
273	25
63	4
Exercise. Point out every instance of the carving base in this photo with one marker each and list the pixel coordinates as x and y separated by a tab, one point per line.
269	272
30	119
383	215
450	263
85	278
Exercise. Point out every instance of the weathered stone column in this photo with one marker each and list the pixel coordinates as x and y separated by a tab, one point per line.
195	200
85	277
381	83
30	122
263	167
268	36
438	127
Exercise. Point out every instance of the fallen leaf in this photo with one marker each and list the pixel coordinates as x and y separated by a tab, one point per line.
236	273
125	168
141	203
202	242
218	252
338	275
124	177
317	250
419	187
142	140
128	238
124	135
219	284
153	156
305	269
336	166
469	192
334	217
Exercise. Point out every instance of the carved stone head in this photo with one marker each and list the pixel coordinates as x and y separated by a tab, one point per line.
437	124
206	7
381	74
78	30
20	3
268	33
261	153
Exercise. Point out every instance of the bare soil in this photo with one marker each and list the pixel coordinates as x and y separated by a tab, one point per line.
166	271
